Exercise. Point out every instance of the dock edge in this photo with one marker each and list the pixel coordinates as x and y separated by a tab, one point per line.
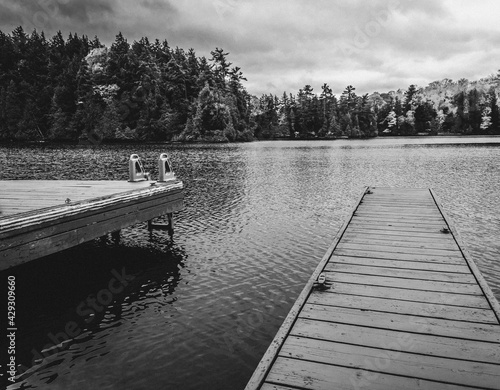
270	355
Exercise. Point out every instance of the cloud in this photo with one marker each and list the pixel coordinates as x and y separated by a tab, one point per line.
88	12
90	17
7	14
282	45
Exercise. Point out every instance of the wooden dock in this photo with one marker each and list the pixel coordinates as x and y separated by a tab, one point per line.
41	217
403	307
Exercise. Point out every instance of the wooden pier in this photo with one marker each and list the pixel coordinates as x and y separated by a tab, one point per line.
41	217
403	307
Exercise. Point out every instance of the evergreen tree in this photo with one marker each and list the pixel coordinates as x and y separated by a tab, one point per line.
494	112
348	99
221	66
212	119
13	111
409	96
424	115
475	112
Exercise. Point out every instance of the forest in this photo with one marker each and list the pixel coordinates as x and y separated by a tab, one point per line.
76	89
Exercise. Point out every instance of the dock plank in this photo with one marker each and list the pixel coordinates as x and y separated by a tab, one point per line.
393	255
396	233
404	294
401	273
302	374
380	220
368	234
397	217
394	340
403	307
443	266
430	310
410	284
423	244
447	253
19	193
401	228
406	211
448	370
459	330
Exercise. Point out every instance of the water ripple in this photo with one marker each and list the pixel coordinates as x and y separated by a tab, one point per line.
203	307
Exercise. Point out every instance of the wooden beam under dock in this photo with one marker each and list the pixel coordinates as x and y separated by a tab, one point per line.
403	307
41	217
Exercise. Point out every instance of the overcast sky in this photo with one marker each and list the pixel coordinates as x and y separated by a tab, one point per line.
282	45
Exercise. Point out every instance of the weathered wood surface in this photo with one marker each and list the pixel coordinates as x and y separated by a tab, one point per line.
17	196
405	307
43	217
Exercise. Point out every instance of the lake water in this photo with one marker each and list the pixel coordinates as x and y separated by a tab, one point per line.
199	311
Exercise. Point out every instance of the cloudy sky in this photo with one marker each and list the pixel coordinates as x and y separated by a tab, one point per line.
282	45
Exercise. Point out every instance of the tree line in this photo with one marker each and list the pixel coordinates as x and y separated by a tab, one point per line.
77	89
445	106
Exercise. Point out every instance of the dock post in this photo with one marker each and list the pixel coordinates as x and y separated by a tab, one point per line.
170	224
116	236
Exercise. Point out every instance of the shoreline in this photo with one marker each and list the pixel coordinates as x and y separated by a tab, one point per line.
67	142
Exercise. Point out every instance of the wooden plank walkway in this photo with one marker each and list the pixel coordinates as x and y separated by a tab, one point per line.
19	196
404	307
41	217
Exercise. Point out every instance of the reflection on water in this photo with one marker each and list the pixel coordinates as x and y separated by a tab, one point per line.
200	310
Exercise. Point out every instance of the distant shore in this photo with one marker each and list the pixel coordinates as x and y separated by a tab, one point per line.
132	142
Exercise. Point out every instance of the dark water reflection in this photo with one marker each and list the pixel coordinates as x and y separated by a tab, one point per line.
202	308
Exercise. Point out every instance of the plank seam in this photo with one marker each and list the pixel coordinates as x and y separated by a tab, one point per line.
408	288
402	277
396	330
401	260
393	350
285	386
414	315
384	373
376	254
406	300
400	268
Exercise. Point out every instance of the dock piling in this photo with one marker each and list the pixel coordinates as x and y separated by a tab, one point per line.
116	236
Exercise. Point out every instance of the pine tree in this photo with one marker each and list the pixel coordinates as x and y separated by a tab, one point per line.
424	115
495	114
118	62
475	112
326	110
348	99
409	95
221	66
13	111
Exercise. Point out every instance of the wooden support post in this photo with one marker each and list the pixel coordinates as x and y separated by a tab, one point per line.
170	224
116	236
